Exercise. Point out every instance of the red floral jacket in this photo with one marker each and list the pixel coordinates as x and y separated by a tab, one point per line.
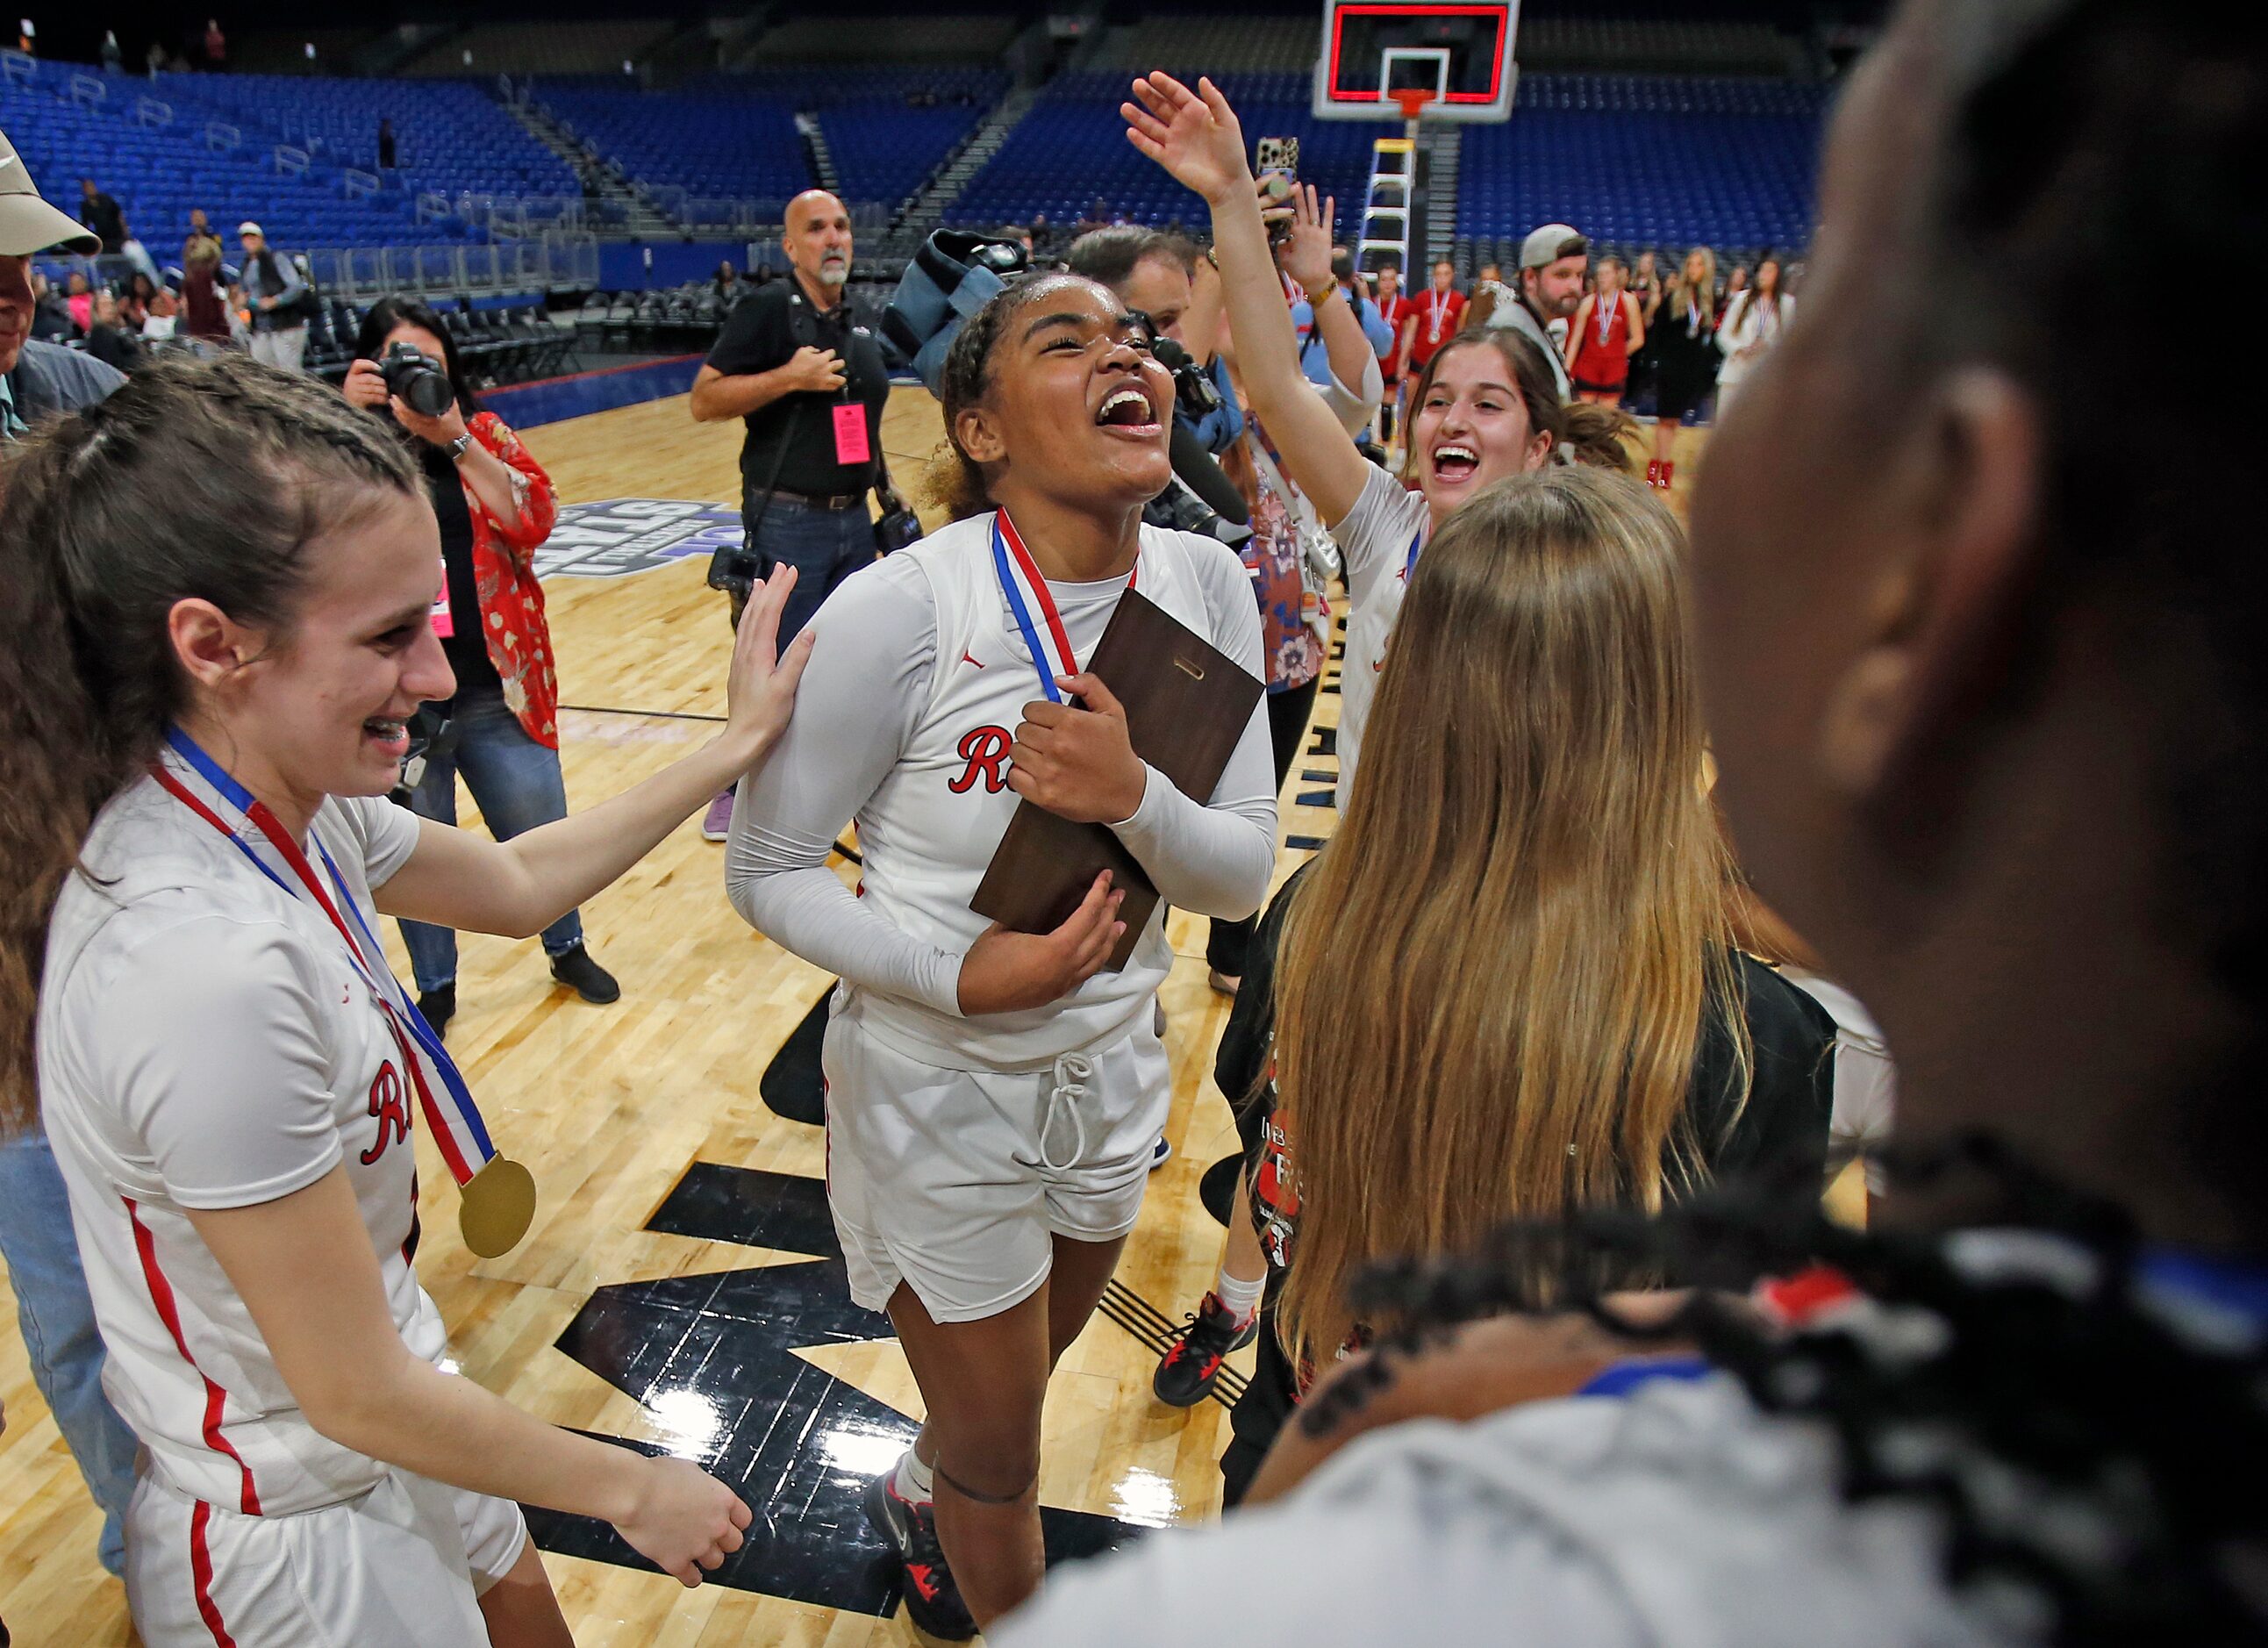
503	572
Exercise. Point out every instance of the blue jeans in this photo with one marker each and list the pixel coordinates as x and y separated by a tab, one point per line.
825	546
516	783
57	1320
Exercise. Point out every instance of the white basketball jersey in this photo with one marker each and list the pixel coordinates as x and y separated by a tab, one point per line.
204	1041
929	829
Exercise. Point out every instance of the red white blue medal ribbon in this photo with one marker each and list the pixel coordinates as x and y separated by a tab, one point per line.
456	1121
1032	608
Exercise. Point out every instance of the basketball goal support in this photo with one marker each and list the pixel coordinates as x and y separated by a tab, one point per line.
1389	226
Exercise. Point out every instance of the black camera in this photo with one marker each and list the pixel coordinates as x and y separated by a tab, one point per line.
1195	392
416	380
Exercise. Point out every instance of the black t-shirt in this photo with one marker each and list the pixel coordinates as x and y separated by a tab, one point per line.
100	212
763	332
466	645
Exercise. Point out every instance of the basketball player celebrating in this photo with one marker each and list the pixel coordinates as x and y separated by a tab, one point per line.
1485	404
209	707
993	1096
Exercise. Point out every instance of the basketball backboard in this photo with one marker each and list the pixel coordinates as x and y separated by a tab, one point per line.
1460	52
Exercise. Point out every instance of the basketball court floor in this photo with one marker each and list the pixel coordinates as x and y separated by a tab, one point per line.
681	1289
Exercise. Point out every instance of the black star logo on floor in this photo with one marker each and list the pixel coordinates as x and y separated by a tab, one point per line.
717	1351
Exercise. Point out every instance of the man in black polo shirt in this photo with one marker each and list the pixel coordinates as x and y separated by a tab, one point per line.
810	386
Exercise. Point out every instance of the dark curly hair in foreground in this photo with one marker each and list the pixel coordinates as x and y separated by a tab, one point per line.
2094	1451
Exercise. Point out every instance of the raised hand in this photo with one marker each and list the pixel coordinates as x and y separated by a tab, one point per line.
1306	254
1193	135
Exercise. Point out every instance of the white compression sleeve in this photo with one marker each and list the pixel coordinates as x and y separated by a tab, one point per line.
862	692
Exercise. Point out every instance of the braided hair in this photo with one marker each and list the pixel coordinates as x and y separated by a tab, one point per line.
955	483
2078	1434
198	479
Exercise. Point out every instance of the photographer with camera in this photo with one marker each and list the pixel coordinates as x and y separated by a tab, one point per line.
811	385
495	505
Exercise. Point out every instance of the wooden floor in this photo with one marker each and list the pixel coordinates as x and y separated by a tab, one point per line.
610	1105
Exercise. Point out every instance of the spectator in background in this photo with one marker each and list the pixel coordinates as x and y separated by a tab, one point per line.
386	149
786	358
1735	283
1435	315
202	241
494	506
273	290
112	339
1394	309
1315	357
79	301
162	316
100	213
726	286
216	47
1097	216
1043	238
154	59
1603	335
51	320
204	304
1552	260
114	56
1686	340
27	38
1753	320
40	379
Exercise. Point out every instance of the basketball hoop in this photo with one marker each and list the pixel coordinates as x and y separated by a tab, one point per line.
1413	100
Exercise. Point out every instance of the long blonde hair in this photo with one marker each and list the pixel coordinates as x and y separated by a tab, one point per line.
1493	980
1705	294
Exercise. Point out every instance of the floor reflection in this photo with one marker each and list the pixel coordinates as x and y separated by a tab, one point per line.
712	1357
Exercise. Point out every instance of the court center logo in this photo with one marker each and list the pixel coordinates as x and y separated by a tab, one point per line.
622	536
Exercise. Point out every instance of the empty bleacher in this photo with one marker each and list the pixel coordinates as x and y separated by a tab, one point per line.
1651	46
1647	160
848	34
1071	151
542	48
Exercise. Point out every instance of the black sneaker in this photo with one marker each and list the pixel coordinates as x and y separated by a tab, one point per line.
933	1600
438	1006
1186	1374
591	982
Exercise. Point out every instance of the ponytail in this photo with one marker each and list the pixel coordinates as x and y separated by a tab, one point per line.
196	480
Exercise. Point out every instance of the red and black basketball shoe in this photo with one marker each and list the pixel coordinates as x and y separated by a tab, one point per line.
1186	1374
932	1598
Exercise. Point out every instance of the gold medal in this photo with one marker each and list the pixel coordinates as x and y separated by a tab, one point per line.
496	1207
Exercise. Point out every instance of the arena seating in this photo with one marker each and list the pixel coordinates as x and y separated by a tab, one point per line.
542	48
1647	160
742	144
1072	150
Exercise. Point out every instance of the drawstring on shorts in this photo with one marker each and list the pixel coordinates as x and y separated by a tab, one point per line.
1068	1091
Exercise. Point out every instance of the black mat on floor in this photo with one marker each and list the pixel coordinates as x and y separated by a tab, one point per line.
792	1085
1218	1188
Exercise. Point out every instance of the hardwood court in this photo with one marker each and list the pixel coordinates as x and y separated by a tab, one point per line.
614	1107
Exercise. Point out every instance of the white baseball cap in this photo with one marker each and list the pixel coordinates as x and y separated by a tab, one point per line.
27	223
249	227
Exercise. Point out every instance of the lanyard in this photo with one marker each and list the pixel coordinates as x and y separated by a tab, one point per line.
1609	314
1027	593
1438	304
457	1127
1409	561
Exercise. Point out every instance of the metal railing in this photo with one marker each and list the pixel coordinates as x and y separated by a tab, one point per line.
558	260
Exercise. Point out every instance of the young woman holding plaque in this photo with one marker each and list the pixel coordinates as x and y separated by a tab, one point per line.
993	1096
214	604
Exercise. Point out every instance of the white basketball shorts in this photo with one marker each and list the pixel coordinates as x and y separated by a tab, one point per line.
404	1566
955	1181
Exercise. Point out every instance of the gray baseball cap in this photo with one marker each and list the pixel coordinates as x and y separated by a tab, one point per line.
1550	244
27	223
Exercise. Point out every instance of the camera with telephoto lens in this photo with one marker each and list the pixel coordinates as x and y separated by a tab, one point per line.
416	379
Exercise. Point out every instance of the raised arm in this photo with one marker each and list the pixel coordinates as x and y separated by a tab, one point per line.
456	878
1196	137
